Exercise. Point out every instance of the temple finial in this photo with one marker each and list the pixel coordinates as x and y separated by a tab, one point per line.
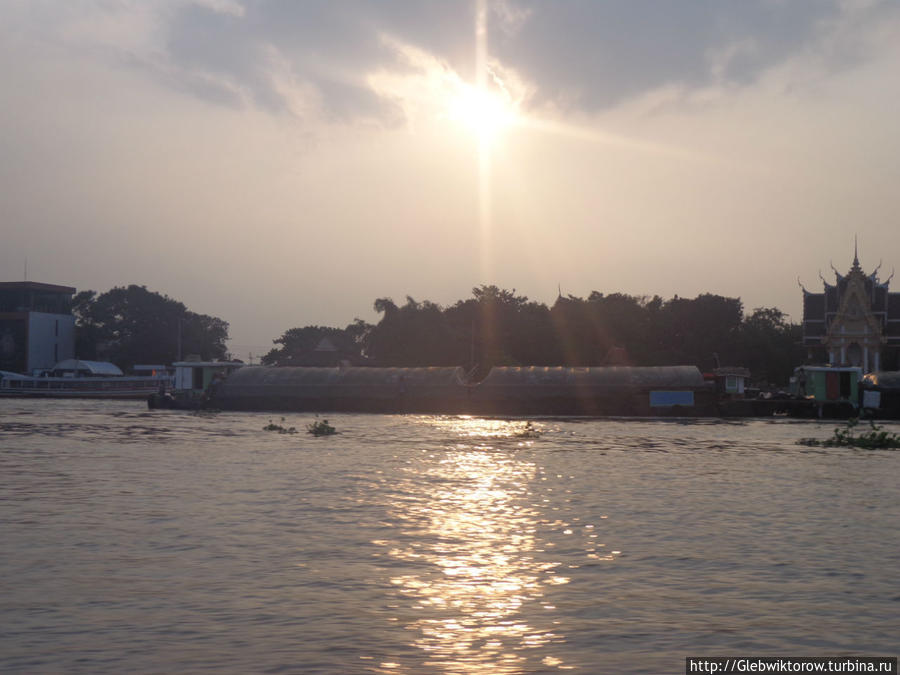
875	271
855	253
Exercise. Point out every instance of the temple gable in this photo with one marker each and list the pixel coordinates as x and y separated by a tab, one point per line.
853	322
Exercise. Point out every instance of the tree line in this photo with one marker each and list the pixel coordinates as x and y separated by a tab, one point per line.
494	327
131	325
497	327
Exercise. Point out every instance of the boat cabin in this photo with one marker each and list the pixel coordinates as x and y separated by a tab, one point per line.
827	384
197	376
731	381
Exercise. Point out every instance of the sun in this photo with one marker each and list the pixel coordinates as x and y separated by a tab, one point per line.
485	113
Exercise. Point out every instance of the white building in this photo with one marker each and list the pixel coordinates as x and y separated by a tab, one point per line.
37	327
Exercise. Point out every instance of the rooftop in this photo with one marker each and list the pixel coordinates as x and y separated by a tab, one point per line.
35	286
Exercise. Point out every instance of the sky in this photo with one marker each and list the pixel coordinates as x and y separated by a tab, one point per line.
281	163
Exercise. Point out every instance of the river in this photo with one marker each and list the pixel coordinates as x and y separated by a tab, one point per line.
163	541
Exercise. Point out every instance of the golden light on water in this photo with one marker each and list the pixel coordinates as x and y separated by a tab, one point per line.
471	539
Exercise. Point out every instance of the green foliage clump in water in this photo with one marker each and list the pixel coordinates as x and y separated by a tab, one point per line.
874	439
271	426
528	431
320	428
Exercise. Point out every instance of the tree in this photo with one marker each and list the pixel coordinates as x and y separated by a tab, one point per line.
296	343
204	335
695	330
588	329
579	339
86	334
770	345
415	334
130	324
497	327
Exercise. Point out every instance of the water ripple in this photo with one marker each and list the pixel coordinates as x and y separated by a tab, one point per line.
161	541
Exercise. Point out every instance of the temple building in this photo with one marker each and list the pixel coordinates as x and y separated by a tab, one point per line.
853	322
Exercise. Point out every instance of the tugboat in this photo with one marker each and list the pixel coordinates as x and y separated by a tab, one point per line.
195	384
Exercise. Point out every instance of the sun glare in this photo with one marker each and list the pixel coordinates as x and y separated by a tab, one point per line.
485	113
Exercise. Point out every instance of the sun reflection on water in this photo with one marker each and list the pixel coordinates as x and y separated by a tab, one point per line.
470	538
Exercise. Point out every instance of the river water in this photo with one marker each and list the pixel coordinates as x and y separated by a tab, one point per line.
163	541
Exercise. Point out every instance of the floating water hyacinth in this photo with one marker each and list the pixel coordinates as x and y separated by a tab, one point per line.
874	439
528	431
271	426
320	428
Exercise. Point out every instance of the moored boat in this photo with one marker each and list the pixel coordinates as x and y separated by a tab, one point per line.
194	385
75	378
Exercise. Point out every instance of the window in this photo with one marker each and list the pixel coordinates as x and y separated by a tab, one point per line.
845	385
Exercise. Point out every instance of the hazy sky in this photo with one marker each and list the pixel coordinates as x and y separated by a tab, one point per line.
284	163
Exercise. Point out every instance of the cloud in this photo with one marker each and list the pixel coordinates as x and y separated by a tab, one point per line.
253	128
509	16
419	83
294	58
232	7
592	56
427	88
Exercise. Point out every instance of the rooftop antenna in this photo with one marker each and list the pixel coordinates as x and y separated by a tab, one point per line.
26	269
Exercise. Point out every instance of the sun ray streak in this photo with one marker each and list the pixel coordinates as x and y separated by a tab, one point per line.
484	207
484	151
600	137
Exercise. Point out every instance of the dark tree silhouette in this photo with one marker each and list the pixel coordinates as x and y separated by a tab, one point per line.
295	344
496	326
130	324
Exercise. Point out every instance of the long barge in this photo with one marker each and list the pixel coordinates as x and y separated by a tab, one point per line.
816	391
528	390
532	390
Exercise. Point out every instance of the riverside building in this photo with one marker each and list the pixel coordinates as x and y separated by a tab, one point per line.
853	322
37	328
